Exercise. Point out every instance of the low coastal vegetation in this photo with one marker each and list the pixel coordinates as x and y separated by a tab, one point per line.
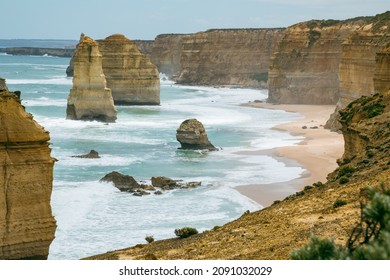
369	239
185	232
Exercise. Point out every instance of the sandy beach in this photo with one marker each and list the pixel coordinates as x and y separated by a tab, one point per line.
317	152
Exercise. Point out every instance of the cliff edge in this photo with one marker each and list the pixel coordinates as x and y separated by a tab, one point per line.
357	64
27	225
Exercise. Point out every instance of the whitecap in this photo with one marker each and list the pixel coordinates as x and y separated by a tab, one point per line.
54	81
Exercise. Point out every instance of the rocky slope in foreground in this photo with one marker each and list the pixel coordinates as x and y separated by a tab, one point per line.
326	210
27	225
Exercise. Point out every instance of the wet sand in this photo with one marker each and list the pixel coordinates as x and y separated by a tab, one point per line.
317	152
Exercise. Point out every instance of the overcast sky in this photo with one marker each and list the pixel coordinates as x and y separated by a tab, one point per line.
144	19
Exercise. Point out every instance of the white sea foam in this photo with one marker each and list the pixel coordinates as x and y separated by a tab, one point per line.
104	160
44	101
109	219
53	81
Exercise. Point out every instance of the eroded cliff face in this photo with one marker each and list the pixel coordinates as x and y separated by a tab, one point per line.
228	57
357	65
89	98
131	76
166	54
382	70
304	67
27	225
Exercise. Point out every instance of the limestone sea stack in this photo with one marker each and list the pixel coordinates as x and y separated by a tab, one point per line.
89	98
3	86
131	76
192	136
27	225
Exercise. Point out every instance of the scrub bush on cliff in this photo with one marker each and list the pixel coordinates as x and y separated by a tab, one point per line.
370	239
185	232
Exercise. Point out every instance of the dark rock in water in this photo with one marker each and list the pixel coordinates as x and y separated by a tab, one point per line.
142	192
148	187
127	183
124	183
160	182
192	185
91	154
192	136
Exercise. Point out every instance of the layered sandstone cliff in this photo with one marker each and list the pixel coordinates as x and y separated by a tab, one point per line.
233	57
357	65
131	76
89	98
144	46
304	67
382	70
3	86
166	54
27	225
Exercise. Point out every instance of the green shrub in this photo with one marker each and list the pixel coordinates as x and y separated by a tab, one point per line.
338	203
318	249
346	171
318	184
306	188
276	202
185	232
343	180
149	238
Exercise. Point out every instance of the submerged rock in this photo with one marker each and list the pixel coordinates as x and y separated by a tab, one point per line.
91	154
160	182
127	183
192	136
124	183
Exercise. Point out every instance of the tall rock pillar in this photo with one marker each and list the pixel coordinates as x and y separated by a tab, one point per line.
132	77
89	98
27	225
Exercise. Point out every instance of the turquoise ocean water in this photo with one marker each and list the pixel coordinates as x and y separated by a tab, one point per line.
94	217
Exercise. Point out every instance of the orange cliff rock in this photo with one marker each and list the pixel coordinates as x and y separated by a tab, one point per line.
228	57
304	67
89	98
357	65
27	225
166	54
131	76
